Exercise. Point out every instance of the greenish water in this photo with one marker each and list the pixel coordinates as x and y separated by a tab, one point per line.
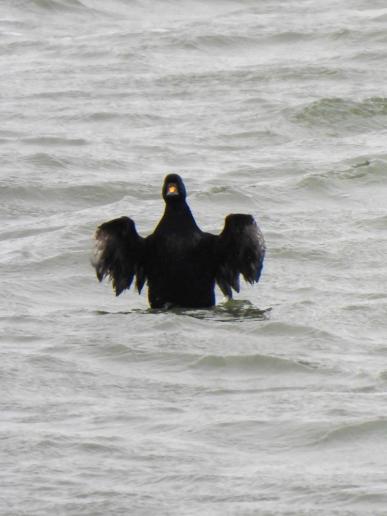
271	404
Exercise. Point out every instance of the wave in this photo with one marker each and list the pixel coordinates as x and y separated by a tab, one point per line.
120	9
361	171
378	222
339	115
253	137
53	5
374	430
215	41
59	158
54	141
252	363
46	160
67	195
251	38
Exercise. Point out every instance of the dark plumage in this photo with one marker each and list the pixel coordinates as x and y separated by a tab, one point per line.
179	262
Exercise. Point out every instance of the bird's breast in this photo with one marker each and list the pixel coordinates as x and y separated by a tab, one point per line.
178	254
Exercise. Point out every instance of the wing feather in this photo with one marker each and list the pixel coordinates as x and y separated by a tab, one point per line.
240	250
118	254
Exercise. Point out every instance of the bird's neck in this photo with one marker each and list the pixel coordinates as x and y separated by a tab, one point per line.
178	218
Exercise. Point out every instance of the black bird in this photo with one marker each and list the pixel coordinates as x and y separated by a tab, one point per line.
179	262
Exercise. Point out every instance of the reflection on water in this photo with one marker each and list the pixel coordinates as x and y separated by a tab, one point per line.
230	311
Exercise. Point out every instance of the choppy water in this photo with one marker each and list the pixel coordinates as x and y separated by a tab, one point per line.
276	108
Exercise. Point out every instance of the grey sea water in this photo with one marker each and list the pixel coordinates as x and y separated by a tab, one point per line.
274	404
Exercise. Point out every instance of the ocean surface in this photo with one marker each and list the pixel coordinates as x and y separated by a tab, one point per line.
273	404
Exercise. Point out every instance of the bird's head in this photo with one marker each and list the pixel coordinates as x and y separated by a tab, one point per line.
174	189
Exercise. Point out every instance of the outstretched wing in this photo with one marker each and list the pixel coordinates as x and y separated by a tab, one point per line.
118	254
240	249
